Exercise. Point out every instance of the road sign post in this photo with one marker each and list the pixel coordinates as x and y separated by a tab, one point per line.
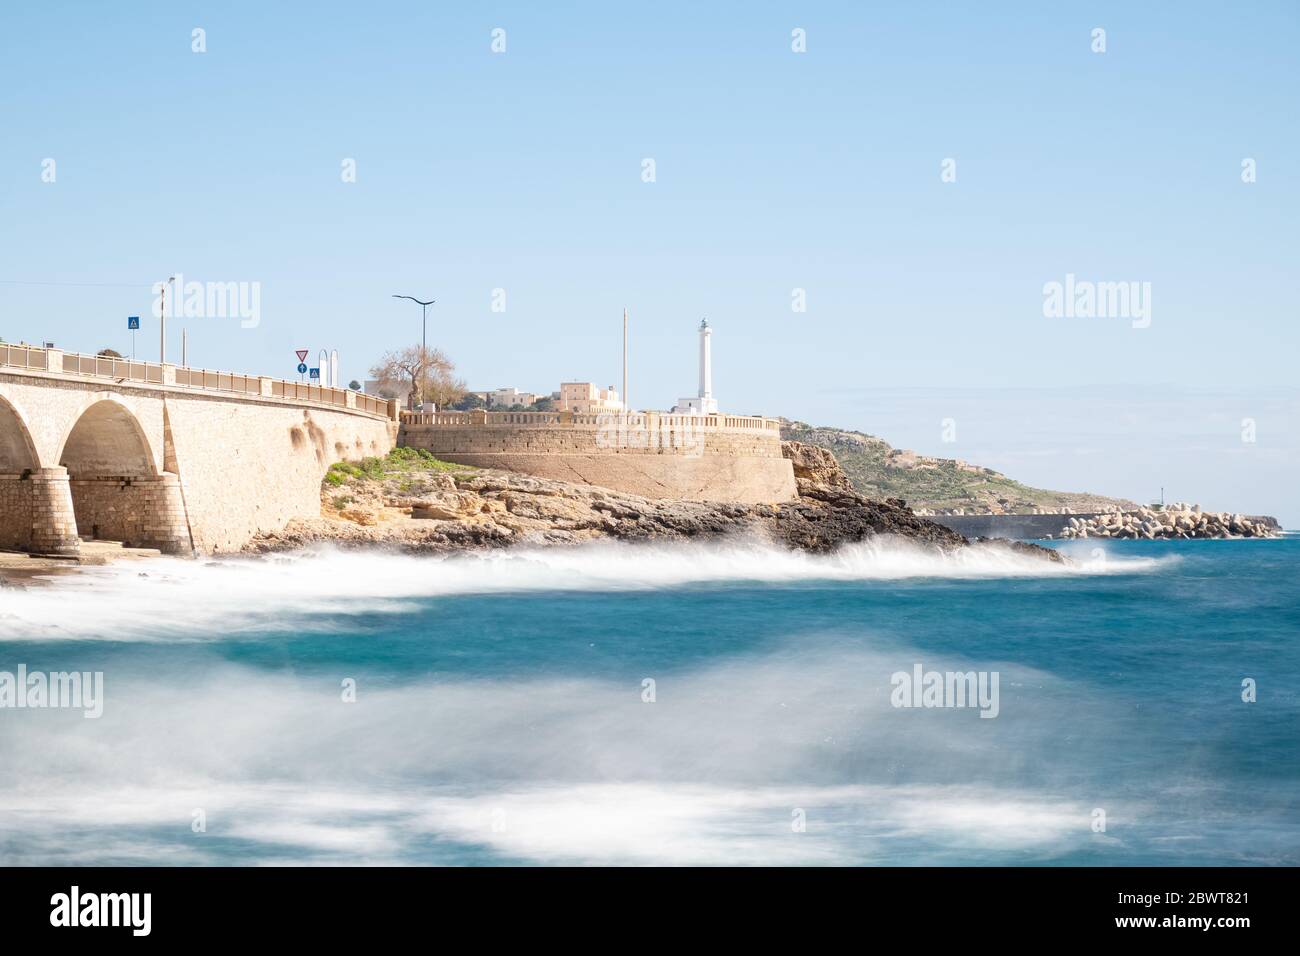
133	323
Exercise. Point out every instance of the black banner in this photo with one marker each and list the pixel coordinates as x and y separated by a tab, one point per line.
330	906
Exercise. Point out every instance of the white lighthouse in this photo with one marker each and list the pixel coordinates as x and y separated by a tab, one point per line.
704	403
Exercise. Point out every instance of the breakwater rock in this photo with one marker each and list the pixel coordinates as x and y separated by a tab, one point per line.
479	508
1178	521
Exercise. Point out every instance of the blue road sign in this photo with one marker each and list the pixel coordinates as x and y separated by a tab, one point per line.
314	373
302	367
133	322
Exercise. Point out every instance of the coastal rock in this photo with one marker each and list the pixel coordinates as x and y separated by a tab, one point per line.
449	506
815	465
1178	521
361	516
490	509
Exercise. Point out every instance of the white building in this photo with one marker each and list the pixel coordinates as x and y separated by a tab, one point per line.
703	403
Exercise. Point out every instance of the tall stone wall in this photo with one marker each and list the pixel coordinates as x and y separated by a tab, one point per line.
247	467
693	464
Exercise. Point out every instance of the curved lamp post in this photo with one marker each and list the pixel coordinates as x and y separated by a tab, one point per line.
424	310
424	330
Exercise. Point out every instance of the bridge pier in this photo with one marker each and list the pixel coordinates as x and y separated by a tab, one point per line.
15	511
51	523
143	511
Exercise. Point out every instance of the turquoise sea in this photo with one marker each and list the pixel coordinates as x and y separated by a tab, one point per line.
663	705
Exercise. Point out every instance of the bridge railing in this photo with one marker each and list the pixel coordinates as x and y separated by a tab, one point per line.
304	392
218	381
23	356
108	366
372	404
487	419
152	373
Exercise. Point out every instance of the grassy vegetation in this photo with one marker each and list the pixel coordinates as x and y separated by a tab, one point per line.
879	471
402	463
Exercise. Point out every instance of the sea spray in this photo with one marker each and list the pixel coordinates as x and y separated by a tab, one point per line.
170	599
280	767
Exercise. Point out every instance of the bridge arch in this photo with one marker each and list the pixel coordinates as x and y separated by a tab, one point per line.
118	494
106	440
17	451
22	497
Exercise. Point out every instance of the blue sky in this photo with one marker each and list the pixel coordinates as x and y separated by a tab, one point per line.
774	171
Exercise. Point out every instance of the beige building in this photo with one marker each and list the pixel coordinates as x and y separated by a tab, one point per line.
586	397
509	397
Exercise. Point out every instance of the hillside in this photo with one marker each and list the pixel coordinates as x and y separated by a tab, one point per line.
878	470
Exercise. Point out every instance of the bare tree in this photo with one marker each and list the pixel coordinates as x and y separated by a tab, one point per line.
424	373
442	386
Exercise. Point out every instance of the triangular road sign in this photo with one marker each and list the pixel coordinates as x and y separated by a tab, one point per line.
302	355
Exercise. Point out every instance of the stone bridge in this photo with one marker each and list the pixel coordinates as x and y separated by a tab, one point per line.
162	456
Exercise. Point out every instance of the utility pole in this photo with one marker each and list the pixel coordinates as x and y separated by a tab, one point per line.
627	408
162	326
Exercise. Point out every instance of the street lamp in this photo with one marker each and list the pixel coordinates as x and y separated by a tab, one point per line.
424	312
424	334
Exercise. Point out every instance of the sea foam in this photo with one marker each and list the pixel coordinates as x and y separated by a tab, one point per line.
169	599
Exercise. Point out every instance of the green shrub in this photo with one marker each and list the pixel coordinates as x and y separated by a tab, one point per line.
399	461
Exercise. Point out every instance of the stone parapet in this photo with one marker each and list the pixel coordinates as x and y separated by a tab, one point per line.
672	456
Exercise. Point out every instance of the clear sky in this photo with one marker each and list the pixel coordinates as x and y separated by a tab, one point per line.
774	171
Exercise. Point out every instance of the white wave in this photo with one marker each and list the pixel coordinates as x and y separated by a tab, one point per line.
552	769
701	825
627	823
169	599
